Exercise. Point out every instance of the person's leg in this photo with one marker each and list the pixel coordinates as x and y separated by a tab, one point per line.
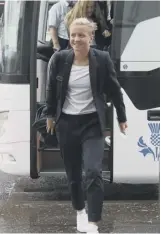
73	166
71	153
92	140
93	152
63	43
68	134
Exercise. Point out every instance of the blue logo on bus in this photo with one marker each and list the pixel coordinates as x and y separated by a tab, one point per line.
155	141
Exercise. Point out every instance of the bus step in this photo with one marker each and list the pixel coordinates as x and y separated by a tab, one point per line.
61	175
50	149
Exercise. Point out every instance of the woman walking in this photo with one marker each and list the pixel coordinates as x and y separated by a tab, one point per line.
78	79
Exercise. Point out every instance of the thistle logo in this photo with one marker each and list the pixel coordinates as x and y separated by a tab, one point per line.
155	141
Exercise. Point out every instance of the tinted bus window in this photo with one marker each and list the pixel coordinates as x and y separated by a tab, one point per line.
48	37
1	30
1	9
11	38
135	51
128	14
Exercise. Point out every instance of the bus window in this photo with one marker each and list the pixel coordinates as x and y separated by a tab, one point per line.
130	17
1	30
11	45
1	8
135	51
48	38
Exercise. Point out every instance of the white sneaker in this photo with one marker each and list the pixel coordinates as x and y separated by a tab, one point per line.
82	221
92	228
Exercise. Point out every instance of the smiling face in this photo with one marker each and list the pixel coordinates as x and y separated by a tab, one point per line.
80	38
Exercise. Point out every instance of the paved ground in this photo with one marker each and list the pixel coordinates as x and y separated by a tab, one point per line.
43	206
58	217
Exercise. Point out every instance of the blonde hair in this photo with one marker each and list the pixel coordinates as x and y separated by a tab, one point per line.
78	11
84	21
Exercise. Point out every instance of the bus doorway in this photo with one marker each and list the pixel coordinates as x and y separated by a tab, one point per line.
49	158
136	72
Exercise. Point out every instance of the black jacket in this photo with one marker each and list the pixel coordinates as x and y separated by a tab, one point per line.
103	81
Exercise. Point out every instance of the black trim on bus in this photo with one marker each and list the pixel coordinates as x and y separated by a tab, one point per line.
153	115
111	147
14	79
146	83
33	85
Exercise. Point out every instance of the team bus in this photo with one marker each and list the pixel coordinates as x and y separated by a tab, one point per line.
132	159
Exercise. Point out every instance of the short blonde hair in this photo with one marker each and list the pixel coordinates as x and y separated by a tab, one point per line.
84	21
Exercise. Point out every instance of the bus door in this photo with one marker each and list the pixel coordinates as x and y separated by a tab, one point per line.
17	75
135	52
49	160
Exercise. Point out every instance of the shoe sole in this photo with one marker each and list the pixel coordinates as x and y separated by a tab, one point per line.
81	231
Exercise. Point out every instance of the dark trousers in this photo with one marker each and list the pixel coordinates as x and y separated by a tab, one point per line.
82	143
63	43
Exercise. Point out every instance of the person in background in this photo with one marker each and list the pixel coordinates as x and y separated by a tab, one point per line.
110	14
77	81
57	27
90	10
110	10
81	9
107	10
57	30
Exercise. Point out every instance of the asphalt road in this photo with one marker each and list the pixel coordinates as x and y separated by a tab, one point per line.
28	206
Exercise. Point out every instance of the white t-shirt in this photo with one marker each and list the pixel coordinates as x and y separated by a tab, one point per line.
79	98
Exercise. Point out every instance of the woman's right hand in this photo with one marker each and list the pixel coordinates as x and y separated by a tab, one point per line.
50	124
56	46
106	33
